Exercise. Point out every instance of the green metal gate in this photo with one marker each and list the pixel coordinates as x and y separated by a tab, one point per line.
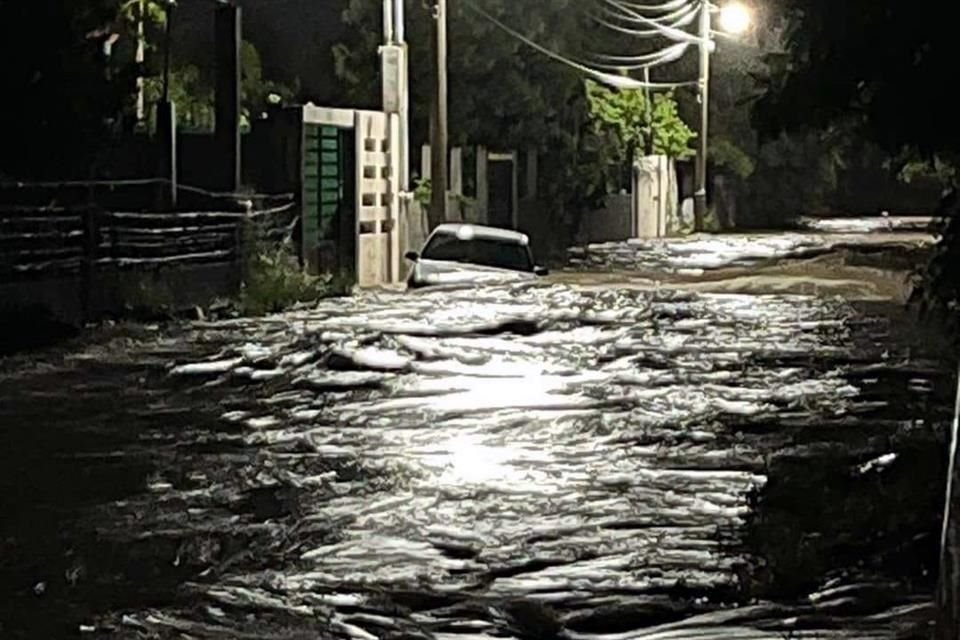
329	207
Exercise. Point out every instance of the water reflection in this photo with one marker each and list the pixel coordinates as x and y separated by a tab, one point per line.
471	461
413	463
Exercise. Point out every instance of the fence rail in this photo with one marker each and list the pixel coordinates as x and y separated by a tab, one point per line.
57	240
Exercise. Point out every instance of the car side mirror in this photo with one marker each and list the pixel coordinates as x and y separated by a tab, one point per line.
412	256
541	271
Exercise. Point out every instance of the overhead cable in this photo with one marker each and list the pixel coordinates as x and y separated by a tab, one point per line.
622	14
666	56
615	81
646	33
663	7
677	35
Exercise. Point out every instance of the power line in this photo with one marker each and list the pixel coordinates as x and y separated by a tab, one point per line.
671	33
663	7
618	82
665	56
645	33
675	16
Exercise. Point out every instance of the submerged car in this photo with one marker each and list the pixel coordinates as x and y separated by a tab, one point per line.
472	254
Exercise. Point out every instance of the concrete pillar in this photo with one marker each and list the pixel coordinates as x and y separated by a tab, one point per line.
515	205
532	173
456	171
483	185
425	165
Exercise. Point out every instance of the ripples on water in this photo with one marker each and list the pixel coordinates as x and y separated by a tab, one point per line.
700	254
534	460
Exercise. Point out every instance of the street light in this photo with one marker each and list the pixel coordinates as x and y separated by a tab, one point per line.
735	18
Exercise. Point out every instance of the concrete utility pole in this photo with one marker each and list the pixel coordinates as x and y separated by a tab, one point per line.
396	89
438	130
400	33
700	193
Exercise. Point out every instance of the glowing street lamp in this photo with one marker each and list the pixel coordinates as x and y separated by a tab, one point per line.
735	18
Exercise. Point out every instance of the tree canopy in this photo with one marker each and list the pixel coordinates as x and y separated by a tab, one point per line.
880	69
501	93
882	66
61	93
633	124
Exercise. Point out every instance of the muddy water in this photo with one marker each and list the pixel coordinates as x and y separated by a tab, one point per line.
527	461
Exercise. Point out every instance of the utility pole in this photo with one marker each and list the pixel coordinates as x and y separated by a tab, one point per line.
168	47
141	59
648	106
438	129
167	119
396	89
399	16
700	193
228	37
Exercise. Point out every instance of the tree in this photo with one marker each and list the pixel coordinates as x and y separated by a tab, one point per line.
891	73
193	92
501	93
62	96
635	125
625	125
888	80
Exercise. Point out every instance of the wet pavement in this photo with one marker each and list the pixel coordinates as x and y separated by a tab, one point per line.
517	461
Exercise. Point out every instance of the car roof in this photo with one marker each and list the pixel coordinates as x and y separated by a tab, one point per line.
481	231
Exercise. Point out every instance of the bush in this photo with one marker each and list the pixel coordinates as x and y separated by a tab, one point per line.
275	282
939	292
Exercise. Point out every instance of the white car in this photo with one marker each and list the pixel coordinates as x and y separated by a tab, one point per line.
472	254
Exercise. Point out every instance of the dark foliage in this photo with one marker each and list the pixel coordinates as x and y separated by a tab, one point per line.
886	68
61	98
886	63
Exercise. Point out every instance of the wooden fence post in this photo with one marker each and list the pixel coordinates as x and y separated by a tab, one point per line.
241	240
91	248
167	138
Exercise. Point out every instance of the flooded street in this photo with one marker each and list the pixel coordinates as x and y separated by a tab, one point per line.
518	461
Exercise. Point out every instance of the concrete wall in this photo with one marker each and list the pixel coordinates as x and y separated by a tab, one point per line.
651	211
656	197
612	222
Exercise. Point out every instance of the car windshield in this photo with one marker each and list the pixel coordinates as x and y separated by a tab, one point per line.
488	252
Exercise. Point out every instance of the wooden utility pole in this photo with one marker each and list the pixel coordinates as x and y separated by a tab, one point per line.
439	135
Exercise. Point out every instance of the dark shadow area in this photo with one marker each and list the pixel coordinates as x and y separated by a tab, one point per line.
830	512
31	328
815	520
68	445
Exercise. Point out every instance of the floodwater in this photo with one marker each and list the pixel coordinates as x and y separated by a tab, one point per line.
695	255
518	461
